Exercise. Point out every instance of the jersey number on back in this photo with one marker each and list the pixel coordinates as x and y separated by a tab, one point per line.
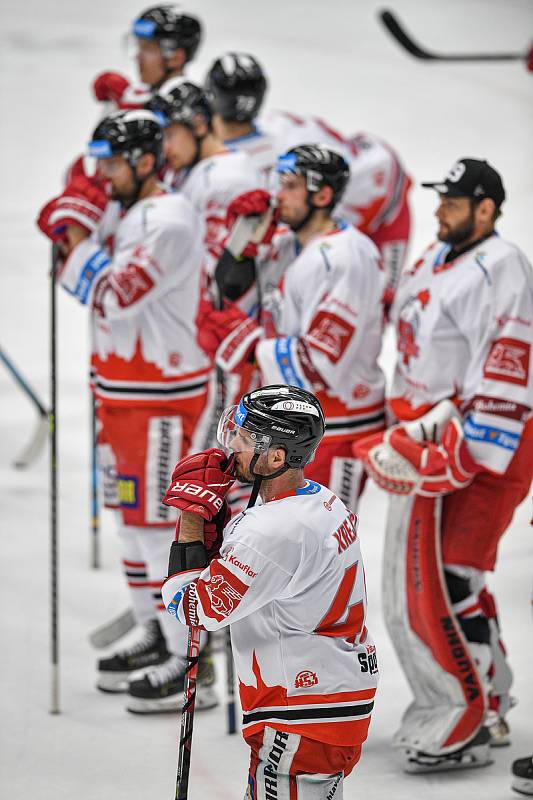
353	624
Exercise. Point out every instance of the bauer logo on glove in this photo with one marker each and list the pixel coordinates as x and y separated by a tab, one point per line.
200	483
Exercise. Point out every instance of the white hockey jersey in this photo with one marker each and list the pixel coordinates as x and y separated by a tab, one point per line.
210	186
465	332
378	185
290	582
144	295
323	326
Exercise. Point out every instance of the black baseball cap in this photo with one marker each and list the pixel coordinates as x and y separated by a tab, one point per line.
470	177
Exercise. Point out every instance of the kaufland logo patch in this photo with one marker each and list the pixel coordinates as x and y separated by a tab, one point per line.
508	361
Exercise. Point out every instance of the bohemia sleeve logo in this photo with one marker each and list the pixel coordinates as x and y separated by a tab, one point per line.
508	361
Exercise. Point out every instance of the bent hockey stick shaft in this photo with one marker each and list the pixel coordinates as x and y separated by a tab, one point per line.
398	32
34	446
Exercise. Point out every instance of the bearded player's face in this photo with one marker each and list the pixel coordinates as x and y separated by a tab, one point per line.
118	173
292	199
456	217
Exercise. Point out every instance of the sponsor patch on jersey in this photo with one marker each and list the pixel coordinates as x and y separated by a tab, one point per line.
305	679
330	334
128	491
222	593
508	361
130	284
499	407
495	436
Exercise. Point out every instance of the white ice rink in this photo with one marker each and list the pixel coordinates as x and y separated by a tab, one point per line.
329	58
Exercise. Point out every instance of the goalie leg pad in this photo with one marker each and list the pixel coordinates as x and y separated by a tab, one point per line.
449	705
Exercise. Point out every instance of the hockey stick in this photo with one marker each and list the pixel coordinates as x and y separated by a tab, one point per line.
33	448
398	32
95	515
54	704
230	681
187	715
116	628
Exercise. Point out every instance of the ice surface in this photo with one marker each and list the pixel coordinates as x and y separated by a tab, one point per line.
328	58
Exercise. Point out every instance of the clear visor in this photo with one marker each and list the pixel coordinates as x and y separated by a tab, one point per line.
236	439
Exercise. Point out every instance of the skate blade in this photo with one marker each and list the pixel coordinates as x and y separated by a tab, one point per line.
205	700
523	786
113	683
474	757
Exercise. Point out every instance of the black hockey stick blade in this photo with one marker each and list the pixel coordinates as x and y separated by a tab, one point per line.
398	32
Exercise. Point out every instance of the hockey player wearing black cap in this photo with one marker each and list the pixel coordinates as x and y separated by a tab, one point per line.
460	461
288	579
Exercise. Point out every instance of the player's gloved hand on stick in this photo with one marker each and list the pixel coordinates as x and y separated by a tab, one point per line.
228	336
81	204
401	465
253	204
200	483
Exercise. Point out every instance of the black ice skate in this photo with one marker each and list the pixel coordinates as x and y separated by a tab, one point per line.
475	754
161	689
523	776
114	672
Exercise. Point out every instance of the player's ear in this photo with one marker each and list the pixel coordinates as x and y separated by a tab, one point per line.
145	165
276	457
323	198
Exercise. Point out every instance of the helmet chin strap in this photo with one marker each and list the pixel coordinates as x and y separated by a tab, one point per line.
311	210
258	479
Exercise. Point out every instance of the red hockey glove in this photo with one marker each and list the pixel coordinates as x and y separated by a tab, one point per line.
252	204
200	483
214	531
109	86
401	465
228	336
115	88
82	203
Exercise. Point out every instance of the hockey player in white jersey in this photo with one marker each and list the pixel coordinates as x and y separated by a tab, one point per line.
166	40
376	197
462	458
288	579
207	172
321	327
137	267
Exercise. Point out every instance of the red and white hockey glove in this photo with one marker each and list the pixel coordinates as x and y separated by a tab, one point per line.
112	87
401	465
200	483
227	336
82	203
214	531
253	204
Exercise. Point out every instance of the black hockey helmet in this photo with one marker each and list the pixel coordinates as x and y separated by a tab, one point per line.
236	85
171	27
277	416
319	165
180	101
129	134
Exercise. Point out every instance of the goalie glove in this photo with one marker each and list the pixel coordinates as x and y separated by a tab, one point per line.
401	465
200	483
227	336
